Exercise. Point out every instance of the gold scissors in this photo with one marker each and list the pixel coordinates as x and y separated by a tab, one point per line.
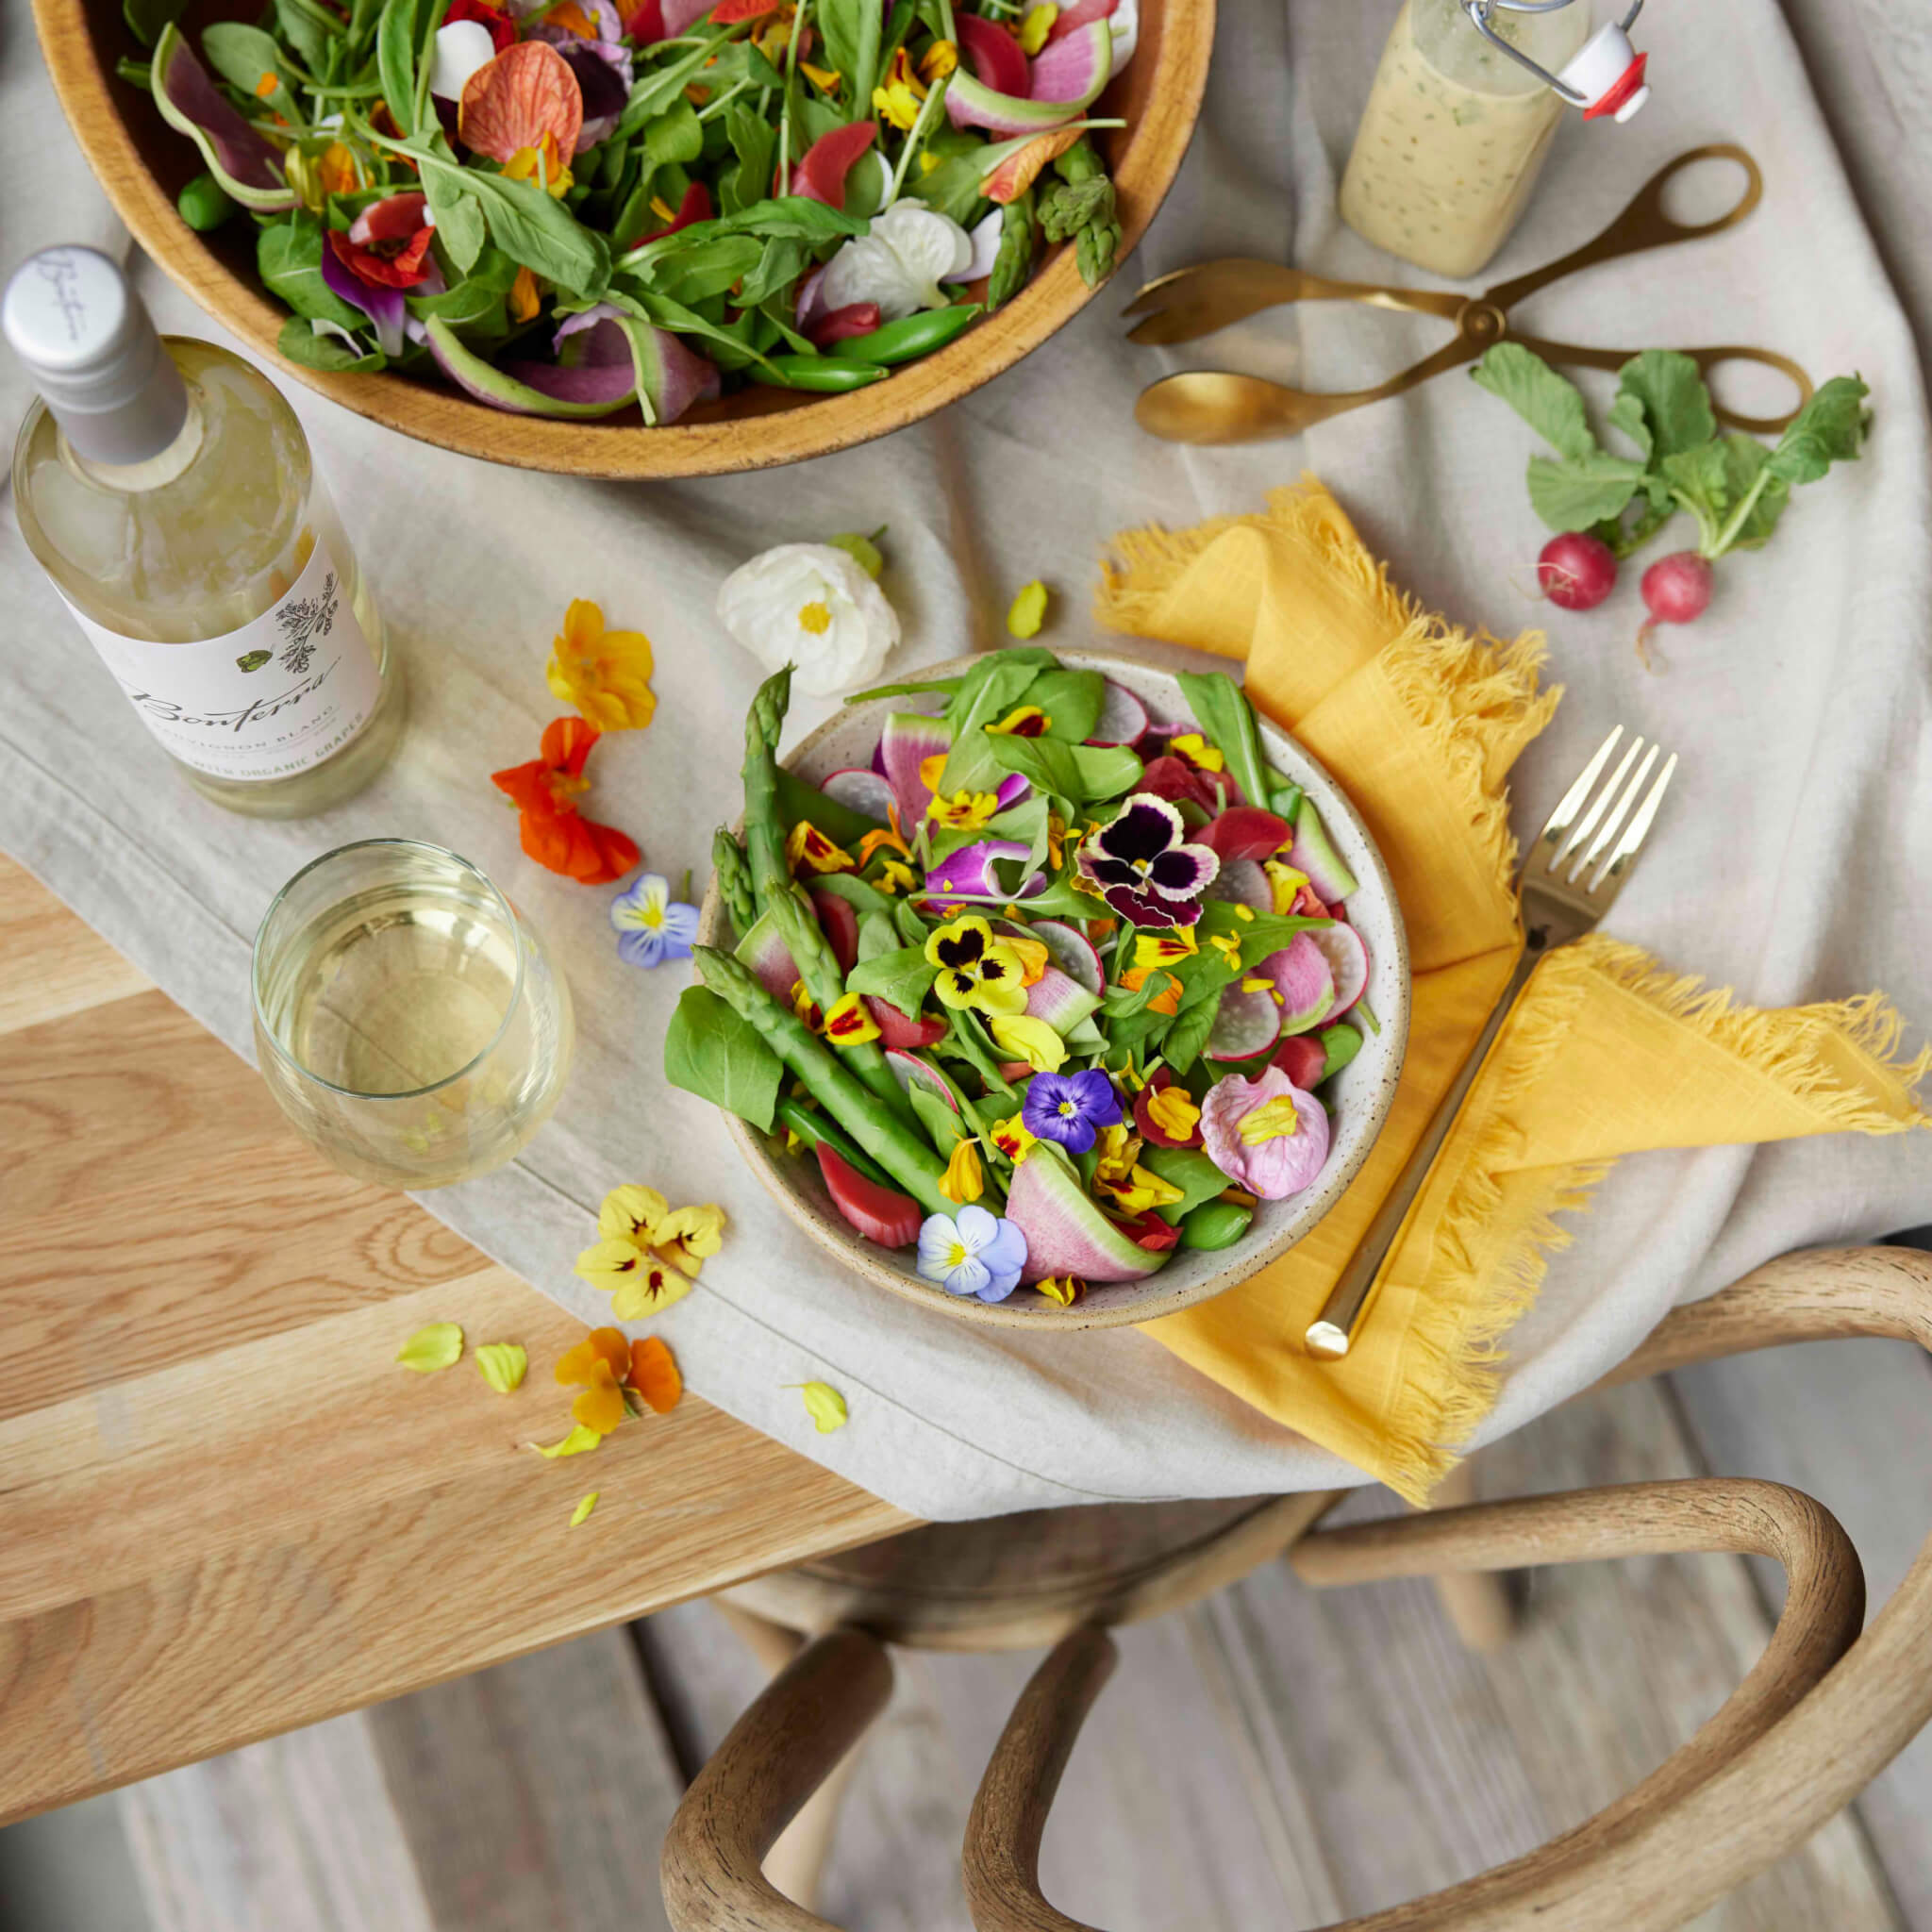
1213	407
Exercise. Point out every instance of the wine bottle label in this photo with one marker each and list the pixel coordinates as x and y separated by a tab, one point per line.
272	699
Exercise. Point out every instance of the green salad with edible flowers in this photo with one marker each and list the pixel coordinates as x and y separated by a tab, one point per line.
568	210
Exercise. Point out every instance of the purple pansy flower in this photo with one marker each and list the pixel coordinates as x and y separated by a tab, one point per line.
1071	1108
1143	866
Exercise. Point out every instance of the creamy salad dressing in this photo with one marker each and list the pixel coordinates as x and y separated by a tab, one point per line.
1454	133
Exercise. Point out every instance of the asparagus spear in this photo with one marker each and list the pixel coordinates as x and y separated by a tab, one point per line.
734	881
811	953
811	1127
896	1147
1013	261
764	827
1080	207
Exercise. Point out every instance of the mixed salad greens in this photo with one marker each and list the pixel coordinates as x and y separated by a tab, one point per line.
569	210
1047	990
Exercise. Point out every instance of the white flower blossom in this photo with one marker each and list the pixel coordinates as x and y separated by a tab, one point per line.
900	263
461	47
1123	30
813	606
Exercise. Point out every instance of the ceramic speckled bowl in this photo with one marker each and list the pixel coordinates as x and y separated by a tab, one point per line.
1361	1093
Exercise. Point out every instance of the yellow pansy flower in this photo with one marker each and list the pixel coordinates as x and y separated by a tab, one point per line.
850	1022
1141	1191
964	1179
1193	749
975	970
807	847
965	811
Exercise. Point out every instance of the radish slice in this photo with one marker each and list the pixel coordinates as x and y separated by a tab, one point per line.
910	1073
1243	881
1070	954
1078	15
1304	1060
768	955
1248	1023
1123	719
898	1029
868	793
881	1214
1245	831
910	739
1301	977
839	923
1347	954
992	54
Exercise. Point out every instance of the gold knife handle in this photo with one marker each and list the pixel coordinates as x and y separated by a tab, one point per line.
1329	1335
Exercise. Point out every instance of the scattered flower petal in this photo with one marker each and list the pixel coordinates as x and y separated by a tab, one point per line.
579	1440
437	1346
655	1375
605	674
503	1365
964	1179
1063	1290
652	926
1280	1159
900	262
1028	611
826	1407
808	849
585	1506
850	1022
527	96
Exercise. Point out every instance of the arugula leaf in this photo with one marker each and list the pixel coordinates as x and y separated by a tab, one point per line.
242	55
288	256
461	231
1830	428
903	978
1222	710
1574	492
1668	390
396	61
676	135
779	265
477	304
851	29
754	141
526	224
1550	404
306	34
148	20
299	341
714	1052
987	692
667	312
709	268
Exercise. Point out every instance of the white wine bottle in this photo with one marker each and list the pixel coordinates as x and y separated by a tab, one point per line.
167	489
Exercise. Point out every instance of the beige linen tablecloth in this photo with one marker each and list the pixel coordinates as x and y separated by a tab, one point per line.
1793	864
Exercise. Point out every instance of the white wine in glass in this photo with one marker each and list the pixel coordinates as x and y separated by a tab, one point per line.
408	1020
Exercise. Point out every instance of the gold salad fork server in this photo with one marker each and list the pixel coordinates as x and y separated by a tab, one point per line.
1571	877
1211	406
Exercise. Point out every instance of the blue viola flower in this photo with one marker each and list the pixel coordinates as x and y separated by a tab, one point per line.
1071	1108
971	1253
652	926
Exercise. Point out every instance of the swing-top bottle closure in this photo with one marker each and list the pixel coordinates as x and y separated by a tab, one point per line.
1604	77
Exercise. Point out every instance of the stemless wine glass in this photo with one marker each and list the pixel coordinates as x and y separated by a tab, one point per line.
408	1020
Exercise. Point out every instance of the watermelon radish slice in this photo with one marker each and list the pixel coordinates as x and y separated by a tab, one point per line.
1123	719
1248	1023
1061	1002
1314	854
865	793
838	922
898	1029
992	54
1071	954
1303	1059
1243	881
1066	1233
768	955
910	1073
1079	14
1347	954
1245	831
881	1214
1123	25
1075	68
1305	981
909	739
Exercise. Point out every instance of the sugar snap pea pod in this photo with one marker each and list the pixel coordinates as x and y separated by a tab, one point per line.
827	375
734	881
764	826
1013	261
812	1126
911	336
1215	1224
203	204
903	1152
811	953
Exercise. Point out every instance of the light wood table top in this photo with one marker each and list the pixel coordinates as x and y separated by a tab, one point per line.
225	1510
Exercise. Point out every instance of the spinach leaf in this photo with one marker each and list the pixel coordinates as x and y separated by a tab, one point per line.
1574	492
288	256
299	341
1189	1170
1072	699
306	35
1085	774
714	1052
1669	395
477	304
1829	428
875	936
1189	1034
1222	712
1550	404
851	29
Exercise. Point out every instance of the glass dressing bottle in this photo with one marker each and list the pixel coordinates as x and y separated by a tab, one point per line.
1461	114
166	488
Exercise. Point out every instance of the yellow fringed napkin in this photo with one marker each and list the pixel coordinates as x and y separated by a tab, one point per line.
1606	1054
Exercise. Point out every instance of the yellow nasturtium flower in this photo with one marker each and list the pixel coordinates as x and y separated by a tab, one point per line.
605	674
1021	1038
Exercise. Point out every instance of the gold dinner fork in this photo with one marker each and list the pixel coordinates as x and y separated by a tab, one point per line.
1571	877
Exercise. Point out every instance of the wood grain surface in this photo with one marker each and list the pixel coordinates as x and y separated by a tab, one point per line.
142	163
223	1510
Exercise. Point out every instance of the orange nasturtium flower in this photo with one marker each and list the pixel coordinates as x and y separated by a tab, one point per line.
605	1366
605	674
524	304
554	832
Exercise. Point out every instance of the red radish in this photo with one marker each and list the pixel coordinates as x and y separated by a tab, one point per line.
992	54
1302	1057
1246	1024
821	172
898	1029
838	325
881	1214
1576	571
840	927
865	792
1243	882
1245	831
1347	954
1677	589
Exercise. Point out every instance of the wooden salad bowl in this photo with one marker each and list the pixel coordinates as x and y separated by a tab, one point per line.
1362	1092
144	164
